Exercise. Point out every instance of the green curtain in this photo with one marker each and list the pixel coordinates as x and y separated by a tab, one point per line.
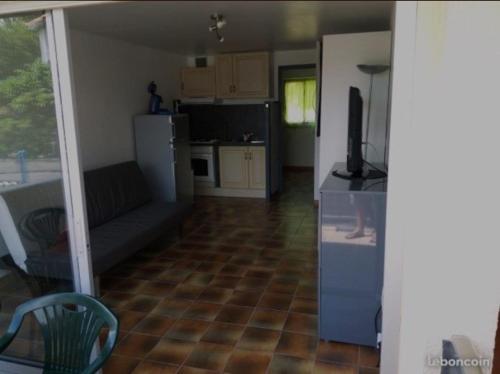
300	101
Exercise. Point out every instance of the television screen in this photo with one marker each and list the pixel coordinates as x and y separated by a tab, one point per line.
355	133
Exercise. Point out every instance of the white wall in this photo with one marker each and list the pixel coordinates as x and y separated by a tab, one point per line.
341	54
442	249
111	79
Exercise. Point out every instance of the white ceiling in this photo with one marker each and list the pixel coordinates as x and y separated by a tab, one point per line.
182	26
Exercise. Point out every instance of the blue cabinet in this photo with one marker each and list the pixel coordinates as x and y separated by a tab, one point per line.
351	258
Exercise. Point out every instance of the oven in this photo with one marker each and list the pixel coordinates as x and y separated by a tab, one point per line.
202	163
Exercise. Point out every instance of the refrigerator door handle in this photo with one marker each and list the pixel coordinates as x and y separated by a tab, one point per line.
173	131
174	154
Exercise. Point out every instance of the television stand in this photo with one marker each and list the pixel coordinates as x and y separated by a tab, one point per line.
351	245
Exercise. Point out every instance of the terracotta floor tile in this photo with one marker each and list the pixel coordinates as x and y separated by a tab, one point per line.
187	291
225	281
283	286
249	284
290	365
368	371
142	303
300	305
191	370
302	324
307	292
234	314
268	319
148	367
136	345
248	362
128	285
199	279
233	270
263	274
159	289
257	339
244	298
171	351
154	325
210	267
333	368
174	275
173	308
223	333
337	352
120	364
209	356
204	311
128	319
111	299
368	357
215	295
275	301
188	329
297	345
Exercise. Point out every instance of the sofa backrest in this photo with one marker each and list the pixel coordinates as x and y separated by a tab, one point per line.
114	190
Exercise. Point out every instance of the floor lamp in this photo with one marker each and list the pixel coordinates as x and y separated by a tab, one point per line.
372	70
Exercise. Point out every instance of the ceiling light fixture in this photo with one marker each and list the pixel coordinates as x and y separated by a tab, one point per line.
219	23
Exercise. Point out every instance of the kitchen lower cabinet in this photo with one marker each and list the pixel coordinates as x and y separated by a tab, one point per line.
233	169
242	167
257	167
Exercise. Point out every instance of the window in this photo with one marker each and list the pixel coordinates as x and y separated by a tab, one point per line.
300	101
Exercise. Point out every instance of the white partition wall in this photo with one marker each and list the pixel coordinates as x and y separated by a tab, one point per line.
442	255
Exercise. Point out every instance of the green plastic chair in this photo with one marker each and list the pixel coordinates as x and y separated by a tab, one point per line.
69	335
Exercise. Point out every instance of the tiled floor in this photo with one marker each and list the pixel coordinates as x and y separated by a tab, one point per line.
237	294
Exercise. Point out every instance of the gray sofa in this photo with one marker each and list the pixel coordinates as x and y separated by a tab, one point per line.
122	218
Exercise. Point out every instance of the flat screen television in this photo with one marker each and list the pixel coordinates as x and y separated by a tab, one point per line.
355	134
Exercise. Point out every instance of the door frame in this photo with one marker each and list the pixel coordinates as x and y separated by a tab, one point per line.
59	49
71	165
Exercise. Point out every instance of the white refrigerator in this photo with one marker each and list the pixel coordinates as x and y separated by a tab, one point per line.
163	153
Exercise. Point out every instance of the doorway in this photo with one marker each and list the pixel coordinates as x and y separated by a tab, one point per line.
298	105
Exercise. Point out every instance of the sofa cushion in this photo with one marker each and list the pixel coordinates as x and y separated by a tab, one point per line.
114	190
123	236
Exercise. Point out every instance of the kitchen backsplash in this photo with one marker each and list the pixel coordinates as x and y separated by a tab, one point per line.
225	122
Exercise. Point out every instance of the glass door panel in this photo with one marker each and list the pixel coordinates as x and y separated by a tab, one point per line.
35	257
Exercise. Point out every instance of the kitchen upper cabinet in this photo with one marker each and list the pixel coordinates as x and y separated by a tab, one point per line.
251	74
242	167
224	76
257	167
242	75
198	82
233	162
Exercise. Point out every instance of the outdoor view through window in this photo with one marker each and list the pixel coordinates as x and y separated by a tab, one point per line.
34	249
300	101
